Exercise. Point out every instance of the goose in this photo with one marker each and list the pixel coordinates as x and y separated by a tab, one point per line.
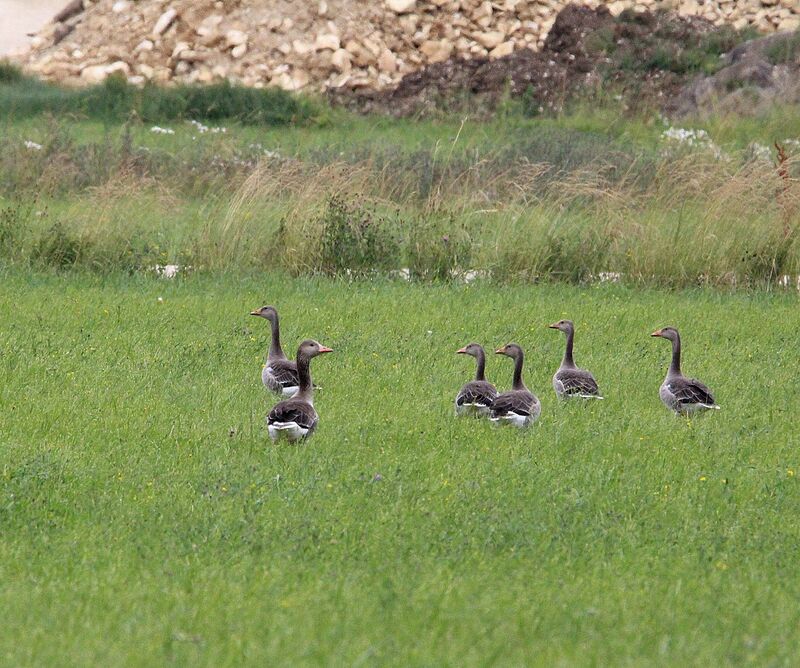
519	406
570	381
295	418
681	394
279	373
475	397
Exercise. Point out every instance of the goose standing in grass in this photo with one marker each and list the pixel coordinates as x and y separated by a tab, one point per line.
681	394
475	397
279	373
519	406
296	418
570	381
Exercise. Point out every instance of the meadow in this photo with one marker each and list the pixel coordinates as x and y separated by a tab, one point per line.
146	518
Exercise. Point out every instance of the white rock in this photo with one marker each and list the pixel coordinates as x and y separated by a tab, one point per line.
180	46
504	49
489	40
387	61
401	6
239	51
301	48
341	60
144	45
118	66
94	73
120	6
436	51
164	22
327	42
235	37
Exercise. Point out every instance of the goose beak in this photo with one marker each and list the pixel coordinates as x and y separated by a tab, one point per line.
500	351
656	333
323	349
255	312
553	326
461	351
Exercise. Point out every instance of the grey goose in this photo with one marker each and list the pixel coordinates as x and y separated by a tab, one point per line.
475	397
679	393
295	419
279	373
519	406
569	380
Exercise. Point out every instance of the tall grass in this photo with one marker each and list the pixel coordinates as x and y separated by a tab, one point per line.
589	206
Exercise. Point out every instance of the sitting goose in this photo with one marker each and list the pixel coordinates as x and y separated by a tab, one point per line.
570	381
279	373
681	394
519	406
296	418
475	397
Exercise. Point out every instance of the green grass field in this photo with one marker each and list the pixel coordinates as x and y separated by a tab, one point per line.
145	518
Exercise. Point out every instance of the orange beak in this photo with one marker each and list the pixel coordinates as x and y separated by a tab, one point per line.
461	351
323	349
656	333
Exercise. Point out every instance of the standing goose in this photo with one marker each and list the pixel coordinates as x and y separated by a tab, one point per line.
681	394
296	418
475	397
279	373
570	381
519	406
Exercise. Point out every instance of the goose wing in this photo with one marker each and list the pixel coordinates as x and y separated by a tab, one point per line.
690	391
577	381
284	373
519	402
294	410
477	392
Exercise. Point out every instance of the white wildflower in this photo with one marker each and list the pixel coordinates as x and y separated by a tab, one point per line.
32	145
162	131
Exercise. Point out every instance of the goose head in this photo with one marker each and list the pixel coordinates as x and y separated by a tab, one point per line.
565	326
310	348
473	349
669	333
267	312
511	350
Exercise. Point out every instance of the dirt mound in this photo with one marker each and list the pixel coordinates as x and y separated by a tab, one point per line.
645	57
336	44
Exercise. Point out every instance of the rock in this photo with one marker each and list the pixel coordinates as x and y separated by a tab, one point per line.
235	38
489	40
436	51
341	60
120	66
94	74
180	46
387	62
401	6
292	82
328	41
144	45
322	9
164	22
145	70
504	49
789	23
120	6
301	48
239	51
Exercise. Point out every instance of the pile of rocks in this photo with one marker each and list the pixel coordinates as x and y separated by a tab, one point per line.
320	44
